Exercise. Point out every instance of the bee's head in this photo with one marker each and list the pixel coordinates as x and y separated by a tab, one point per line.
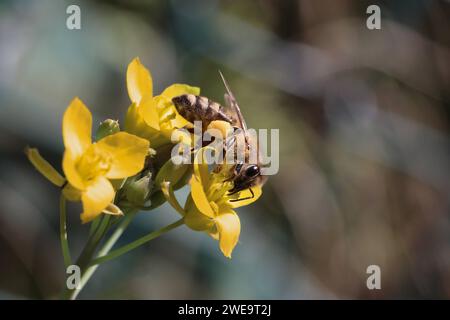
247	176
251	171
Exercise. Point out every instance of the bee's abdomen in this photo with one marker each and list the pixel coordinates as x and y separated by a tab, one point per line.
197	108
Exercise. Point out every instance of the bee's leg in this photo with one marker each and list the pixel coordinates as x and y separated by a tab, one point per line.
246	198
233	176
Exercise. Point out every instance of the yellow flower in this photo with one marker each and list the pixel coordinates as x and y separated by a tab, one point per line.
209	207
153	117
88	166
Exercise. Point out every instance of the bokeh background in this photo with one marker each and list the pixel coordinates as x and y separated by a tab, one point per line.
364	143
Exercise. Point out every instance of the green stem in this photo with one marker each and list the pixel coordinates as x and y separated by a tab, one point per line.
133	245
94	240
88	251
63	231
89	270
94	225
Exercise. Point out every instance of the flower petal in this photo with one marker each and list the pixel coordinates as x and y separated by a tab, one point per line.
71	172
179	121
224	127
96	198
76	127
44	168
195	219
139	81
199	197
229	228
135	124
168	112
177	89
201	170
257	191
149	112
127	154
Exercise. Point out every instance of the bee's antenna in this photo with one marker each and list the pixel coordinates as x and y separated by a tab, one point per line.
235	104
226	85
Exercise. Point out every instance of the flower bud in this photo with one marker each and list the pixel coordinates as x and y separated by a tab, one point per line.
138	191
106	128
172	173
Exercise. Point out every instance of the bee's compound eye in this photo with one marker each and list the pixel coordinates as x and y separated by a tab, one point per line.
252	171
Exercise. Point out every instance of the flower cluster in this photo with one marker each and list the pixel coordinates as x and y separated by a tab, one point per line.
123	171
209	207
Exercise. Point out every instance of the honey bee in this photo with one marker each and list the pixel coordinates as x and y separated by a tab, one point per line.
244	175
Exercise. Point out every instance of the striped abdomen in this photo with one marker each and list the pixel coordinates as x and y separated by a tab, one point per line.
197	108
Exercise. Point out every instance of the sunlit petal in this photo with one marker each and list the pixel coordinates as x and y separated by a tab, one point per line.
195	219
201	170
77	127
224	127
127	154
229	228
96	198
71	172
149	112
139	81
178	89
199	197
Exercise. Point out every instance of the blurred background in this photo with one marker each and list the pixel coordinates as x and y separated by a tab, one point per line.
364	143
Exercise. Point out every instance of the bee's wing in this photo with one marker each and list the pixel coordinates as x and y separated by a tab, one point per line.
240	137
233	110
232	107
234	143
